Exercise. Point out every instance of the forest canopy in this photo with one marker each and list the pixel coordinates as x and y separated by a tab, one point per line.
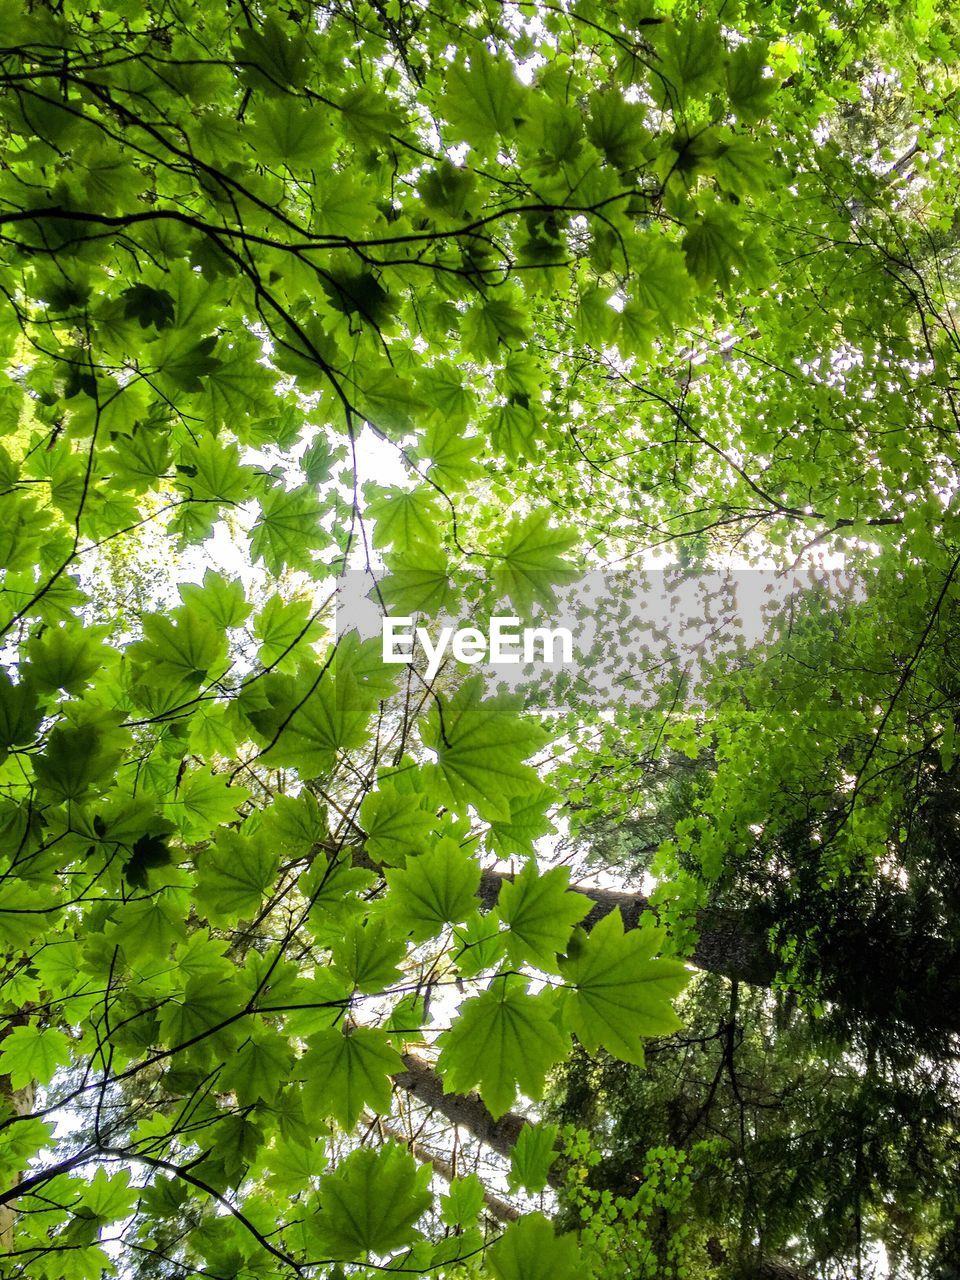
316	965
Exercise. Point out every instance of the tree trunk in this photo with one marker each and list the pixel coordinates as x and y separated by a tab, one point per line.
734	943
19	1102
501	1210
421	1081
731	942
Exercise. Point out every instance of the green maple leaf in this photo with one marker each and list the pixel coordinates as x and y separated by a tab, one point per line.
272	59
295	134
238	388
201	954
296	824
531	560
146	930
140	459
288	530
396	824
637	330
618	129
294	1163
391	402
502	1040
148	306
418	582
661	284
463	1202
481	744
234	875
317	717
331	885
238	1142
213	471
741	165
19	714
541	912
367	953
275	423
363	660
343	200
282	626
369	116
621	991
32	1054
488	326
447	189
404	518
513	431
595	317
552	136
199	1007
526	823
345	1073
481	944
109	1196
485	101
187	363
360	293
531	1250
77	757
67	657
713	247
181	647
317	460
371	1203
532	1157
442	386
204	800
149	853
24	912
452	454
748	89
220	601
690	62
22	525
260	1067
9	470
434	888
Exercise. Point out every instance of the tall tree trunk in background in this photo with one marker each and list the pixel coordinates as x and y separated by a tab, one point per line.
422	1082
734	942
17	1102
